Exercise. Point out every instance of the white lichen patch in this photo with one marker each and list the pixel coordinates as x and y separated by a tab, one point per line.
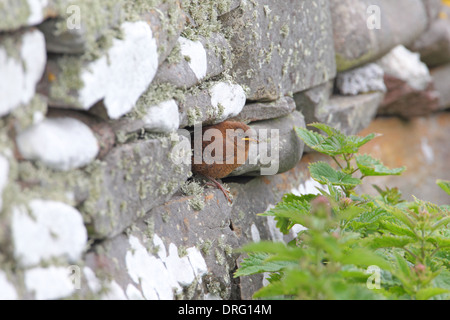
367	78
19	75
123	74
7	290
150	272
60	143
51	229
36	11
4	172
180	268
163	275
114	292
163	117
49	283
160	247
197	262
196	56
406	65
133	293
228	99
92	281
255	233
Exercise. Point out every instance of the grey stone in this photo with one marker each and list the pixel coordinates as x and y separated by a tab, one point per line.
102	20
406	101
311	100
101	129
350	114
281	47
97	22
271	156
409	85
199	62
361	80
15	14
211	103
266	110
22	61
357	38
207	238
434	44
77	83
135	178
441	79
433	7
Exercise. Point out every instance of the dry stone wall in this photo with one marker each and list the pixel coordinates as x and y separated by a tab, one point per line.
97	99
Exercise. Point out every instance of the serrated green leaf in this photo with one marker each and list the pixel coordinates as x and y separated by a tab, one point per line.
293	280
358	141
373	167
330	131
386	241
290	211
399	214
257	263
364	258
442	243
323	173
397	230
445	185
403	267
428	293
311	138
440	223
276	250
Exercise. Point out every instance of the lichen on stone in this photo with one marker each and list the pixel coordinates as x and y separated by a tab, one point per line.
194	189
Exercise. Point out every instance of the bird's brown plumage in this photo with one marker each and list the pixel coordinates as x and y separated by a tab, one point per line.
221	170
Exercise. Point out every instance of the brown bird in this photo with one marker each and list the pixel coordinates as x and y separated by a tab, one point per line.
217	164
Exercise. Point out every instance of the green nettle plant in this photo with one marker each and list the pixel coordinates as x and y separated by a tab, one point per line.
355	246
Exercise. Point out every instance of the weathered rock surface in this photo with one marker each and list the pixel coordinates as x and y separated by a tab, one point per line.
420	144
350	114
219	101
22	63
198	60
15	14
135	178
150	261
266	110
434	44
361	80
370	29
441	79
409	85
281	47
111	78
279	148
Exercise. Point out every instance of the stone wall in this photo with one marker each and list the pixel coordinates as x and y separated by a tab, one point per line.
97	99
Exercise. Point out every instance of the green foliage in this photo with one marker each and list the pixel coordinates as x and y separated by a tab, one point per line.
348	234
445	185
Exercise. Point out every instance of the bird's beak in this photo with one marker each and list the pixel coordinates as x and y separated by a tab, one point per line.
250	139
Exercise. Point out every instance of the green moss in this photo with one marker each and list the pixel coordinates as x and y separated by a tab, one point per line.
24	116
13	14
155	94
100	21
68	80
343	64
205	15
175	56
